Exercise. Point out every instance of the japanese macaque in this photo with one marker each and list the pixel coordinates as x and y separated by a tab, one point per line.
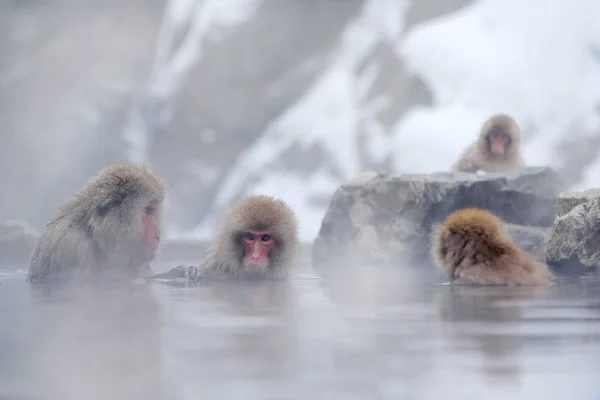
111	227
472	246
258	239
496	149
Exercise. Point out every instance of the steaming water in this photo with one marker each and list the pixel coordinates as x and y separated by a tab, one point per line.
352	333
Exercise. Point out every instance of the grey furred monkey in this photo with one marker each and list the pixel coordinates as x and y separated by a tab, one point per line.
257	240
111	227
497	148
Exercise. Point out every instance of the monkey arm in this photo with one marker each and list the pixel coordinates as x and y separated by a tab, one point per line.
465	165
191	273
481	274
469	161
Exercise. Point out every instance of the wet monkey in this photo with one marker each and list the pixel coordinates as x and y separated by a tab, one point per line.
497	148
472	246
110	227
258	239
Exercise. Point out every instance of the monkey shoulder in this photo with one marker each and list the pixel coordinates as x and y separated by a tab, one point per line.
468	161
59	247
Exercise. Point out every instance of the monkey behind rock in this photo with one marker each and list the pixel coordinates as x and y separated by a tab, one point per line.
111	227
496	150
472	246
257	240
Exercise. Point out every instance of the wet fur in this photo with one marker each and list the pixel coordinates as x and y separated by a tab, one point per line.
472	246
96	231
478	157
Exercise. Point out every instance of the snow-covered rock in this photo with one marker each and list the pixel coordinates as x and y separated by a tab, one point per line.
389	218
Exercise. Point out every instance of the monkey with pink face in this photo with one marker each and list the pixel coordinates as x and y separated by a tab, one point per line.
257	240
110	228
497	148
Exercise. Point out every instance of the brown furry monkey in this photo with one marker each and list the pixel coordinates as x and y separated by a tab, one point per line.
497	148
472	246
258	239
112	226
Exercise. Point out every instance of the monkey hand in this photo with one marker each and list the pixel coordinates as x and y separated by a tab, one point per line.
179	272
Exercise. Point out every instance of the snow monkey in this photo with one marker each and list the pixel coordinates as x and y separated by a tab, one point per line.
472	246
111	227
496	150
258	239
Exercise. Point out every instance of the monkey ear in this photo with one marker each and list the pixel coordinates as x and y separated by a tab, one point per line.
114	200
113	197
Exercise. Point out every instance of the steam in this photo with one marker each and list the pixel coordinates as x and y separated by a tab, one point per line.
187	26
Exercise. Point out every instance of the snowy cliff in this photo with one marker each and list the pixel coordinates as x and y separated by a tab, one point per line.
290	98
491	56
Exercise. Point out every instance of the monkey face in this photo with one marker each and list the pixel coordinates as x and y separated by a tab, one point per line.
498	141
151	233
257	246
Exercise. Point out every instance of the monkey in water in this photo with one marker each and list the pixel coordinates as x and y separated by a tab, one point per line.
496	149
258	239
472	246
110	228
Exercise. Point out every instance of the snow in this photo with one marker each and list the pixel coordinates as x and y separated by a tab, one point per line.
531	59
509	56
327	115
417	137
207	20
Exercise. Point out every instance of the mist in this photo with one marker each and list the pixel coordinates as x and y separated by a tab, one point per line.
230	98
225	98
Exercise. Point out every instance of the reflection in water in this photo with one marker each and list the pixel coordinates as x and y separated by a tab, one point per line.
248	333
474	311
353	333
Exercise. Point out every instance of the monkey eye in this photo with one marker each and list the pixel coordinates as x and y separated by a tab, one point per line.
148	210
248	236
265	238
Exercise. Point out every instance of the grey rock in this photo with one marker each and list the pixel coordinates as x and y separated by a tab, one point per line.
389	218
17	240
566	201
531	239
574	237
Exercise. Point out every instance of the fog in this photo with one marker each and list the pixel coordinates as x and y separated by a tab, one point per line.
225	98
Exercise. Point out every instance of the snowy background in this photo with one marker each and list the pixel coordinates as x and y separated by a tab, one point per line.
290	98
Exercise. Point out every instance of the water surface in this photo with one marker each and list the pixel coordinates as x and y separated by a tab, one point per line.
346	333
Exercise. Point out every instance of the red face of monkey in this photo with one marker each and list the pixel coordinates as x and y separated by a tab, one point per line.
151	237
498	141
257	246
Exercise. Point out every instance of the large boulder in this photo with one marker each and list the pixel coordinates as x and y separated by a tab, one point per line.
574	238
389	218
567	201
532	239
17	240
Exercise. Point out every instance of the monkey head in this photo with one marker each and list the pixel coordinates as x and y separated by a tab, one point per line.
126	212
258	236
499	135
